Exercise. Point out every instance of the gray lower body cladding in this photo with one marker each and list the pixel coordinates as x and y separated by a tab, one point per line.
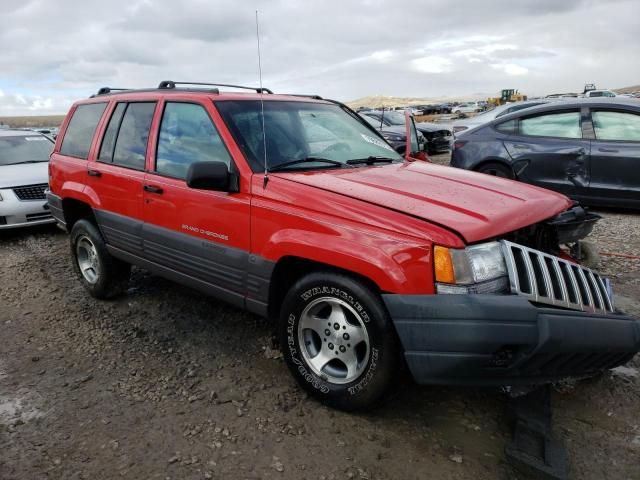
225	272
506	340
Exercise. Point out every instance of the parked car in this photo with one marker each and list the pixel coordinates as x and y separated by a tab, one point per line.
588	150
51	132
444	108
599	93
468	107
366	261
24	158
394	133
484	117
437	136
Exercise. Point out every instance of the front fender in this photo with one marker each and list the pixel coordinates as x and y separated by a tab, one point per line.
391	265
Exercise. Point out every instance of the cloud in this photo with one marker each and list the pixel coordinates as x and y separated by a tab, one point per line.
432	64
338	49
511	69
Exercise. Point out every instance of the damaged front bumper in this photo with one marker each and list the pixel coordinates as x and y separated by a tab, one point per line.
506	339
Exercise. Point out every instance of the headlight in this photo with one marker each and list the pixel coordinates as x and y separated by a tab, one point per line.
476	269
393	137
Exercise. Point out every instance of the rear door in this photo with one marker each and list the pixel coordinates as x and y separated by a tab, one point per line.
548	150
200	237
116	175
615	157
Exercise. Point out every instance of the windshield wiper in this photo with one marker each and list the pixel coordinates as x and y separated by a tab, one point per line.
301	161
370	160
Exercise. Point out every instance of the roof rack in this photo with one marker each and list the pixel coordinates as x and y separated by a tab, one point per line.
166	84
314	97
107	90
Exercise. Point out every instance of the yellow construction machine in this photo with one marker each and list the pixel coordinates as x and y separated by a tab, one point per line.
507	95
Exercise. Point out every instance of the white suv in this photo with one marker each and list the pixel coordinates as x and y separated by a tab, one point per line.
24	158
599	93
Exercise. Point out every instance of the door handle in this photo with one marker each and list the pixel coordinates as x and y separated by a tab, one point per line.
610	150
94	173
152	189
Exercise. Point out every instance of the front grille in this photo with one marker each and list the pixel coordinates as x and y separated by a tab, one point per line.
547	279
31	192
34	217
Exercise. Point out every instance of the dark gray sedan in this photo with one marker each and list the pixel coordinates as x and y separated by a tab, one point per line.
588	149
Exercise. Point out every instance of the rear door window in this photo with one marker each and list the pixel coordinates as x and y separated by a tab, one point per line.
621	126
129	126
109	139
187	135
560	125
82	127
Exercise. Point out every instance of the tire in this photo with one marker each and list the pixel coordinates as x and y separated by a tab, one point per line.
497	170
102	275
322	315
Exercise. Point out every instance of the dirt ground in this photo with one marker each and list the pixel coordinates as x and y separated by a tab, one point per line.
165	383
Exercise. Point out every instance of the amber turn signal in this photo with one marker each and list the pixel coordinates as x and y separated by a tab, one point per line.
443	265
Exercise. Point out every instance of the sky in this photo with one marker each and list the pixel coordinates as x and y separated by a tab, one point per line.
53	52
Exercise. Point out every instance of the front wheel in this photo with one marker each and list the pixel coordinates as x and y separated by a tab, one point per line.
338	340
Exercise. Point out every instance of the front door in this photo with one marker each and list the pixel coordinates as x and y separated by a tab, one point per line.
200	237
548	150
116	175
615	158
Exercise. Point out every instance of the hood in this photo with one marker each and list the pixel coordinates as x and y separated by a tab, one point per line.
432	127
475	205
397	129
24	174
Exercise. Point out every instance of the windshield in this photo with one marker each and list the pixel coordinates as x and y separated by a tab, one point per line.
393	118
24	149
298	131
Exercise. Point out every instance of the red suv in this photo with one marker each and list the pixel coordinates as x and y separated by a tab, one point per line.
295	208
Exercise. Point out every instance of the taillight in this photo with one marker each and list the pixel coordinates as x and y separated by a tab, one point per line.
459	144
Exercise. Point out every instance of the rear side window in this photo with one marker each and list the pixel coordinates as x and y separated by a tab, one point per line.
616	126
187	135
109	139
77	138
561	125
125	141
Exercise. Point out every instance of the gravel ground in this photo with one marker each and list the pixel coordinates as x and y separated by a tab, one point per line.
165	383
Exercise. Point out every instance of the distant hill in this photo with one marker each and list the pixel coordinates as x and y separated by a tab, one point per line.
33	121
635	88
376	101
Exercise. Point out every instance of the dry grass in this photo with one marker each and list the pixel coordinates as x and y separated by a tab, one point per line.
33	121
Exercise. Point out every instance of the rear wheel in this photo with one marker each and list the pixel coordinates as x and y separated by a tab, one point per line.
338	340
497	170
102	275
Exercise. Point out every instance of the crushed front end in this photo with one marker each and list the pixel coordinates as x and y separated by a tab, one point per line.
516	310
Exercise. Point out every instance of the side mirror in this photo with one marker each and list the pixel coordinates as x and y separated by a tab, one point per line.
211	176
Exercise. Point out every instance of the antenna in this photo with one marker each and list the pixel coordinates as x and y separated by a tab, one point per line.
264	134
